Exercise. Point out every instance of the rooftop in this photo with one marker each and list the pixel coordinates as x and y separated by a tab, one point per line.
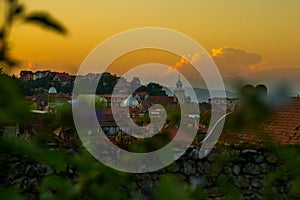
283	127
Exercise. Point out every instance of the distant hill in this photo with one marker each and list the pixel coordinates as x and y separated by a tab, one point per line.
202	94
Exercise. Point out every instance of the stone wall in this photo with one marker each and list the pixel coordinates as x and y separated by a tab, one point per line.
24	174
245	172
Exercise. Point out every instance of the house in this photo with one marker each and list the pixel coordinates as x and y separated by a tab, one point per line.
162	100
141	96
228	103
114	100
26	75
63	78
29	75
108	123
40	74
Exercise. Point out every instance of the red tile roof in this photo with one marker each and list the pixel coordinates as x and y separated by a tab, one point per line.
63	77
282	127
162	100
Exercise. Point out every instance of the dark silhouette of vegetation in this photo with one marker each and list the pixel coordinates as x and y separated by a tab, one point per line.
93	180
253	107
153	89
41	85
106	83
12	105
205	117
173	115
15	11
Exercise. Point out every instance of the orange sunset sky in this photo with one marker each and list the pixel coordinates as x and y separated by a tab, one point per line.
257	41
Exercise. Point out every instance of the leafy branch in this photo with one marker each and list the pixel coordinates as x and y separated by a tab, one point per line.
15	11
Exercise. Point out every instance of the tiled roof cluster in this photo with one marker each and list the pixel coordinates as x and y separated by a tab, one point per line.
282	127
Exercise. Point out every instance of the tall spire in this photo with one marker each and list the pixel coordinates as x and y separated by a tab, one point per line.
179	91
179	83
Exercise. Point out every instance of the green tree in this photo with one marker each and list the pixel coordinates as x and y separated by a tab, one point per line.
173	115
106	83
153	89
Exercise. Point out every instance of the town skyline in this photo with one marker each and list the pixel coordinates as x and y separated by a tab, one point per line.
139	99
254	41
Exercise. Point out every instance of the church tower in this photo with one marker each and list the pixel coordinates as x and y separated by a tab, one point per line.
52	93
179	91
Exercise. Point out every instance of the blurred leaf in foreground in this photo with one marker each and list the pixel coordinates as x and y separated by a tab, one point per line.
10	194
12	105
46	21
170	188
15	11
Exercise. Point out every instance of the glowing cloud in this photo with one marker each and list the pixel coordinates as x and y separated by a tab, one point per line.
190	58
232	61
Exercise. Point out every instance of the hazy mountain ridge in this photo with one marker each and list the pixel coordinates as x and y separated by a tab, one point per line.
201	93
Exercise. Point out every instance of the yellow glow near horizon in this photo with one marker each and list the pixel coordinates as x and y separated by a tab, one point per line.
268	28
